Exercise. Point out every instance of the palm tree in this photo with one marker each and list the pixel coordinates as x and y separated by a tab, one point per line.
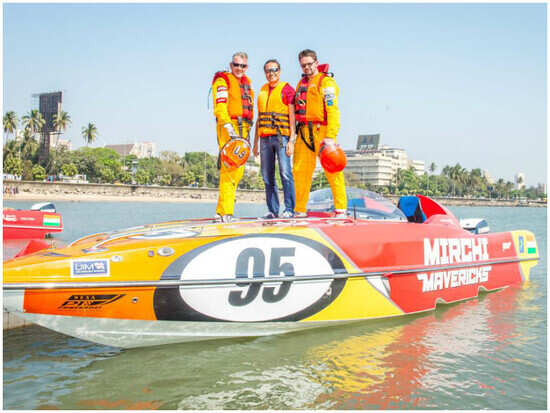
10	123
33	121
89	133
29	145
11	148
61	121
433	167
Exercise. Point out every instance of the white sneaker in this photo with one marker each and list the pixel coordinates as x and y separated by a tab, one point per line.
300	215
228	218
224	219
287	214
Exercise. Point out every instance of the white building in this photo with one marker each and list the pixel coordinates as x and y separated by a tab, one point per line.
519	180
374	168
488	177
57	142
378	166
139	149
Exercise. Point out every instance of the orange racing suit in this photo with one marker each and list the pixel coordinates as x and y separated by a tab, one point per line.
317	113
234	104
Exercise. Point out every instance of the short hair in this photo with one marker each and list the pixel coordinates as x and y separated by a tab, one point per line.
240	54
307	52
272	61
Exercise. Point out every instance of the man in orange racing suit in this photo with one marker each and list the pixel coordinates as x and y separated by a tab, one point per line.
318	118
234	110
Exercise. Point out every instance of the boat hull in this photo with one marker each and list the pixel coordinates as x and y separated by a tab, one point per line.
27	224
189	281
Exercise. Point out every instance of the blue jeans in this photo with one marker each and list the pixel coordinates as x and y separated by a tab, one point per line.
270	148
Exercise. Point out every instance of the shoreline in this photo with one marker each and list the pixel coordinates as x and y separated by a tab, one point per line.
77	192
108	198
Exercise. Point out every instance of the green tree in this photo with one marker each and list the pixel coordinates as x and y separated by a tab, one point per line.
27	170
165	180
142	177
29	145
319	181
433	167
107	175
33	122
125	177
61	121
10	122
89	133
38	173
11	148
69	169
13	165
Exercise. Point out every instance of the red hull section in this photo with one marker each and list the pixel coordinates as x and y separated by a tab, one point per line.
447	265
26	224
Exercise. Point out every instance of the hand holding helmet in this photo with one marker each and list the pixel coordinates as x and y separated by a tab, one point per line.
332	157
231	130
235	153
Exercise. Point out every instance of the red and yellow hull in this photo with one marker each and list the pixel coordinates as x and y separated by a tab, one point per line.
195	280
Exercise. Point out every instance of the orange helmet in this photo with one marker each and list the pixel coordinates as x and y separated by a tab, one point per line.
332	157
235	153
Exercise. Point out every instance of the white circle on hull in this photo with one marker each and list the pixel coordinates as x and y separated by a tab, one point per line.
267	256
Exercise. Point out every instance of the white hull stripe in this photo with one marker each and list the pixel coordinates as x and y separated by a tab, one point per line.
33	227
258	280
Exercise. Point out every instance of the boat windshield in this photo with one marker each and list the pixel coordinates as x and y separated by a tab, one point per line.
361	203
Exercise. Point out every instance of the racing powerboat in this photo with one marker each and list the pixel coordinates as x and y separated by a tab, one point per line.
37	222
197	279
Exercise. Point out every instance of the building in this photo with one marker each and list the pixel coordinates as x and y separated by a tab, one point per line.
58	143
519	180
377	164
488	177
374	168
139	149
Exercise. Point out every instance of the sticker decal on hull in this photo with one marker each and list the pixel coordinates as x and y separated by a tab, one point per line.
272	256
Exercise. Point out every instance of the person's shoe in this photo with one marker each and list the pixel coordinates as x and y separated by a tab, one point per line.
340	213
269	215
287	214
300	215
218	219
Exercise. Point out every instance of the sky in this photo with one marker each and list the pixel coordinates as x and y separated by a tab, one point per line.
449	83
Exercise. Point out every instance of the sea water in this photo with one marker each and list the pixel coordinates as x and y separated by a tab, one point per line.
486	353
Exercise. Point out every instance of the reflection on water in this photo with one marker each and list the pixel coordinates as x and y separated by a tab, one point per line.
486	353
467	353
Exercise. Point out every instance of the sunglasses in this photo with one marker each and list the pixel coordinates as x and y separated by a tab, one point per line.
241	65
272	70
307	64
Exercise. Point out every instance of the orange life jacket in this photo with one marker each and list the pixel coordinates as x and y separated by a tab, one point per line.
241	96
272	111
310	106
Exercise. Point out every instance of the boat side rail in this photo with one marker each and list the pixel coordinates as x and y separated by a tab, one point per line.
245	281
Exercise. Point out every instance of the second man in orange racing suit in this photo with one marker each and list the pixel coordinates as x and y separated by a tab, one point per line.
234	110
318	118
